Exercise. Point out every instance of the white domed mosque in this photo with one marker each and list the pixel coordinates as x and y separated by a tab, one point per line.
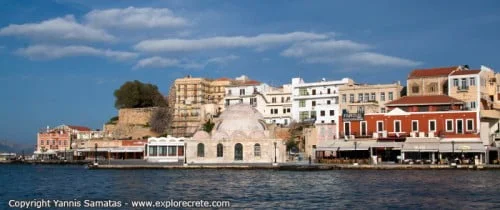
240	135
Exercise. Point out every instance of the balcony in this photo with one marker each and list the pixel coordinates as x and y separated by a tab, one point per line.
462	89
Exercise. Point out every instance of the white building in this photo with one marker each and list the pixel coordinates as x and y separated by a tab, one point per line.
317	102
165	149
274	103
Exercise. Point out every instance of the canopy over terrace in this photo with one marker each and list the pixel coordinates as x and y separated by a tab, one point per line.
421	145
461	146
357	145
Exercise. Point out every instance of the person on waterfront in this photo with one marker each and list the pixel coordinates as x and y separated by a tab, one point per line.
310	160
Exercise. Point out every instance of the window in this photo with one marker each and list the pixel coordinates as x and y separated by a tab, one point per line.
363	128
153	151
372	97
414	89
351	98
242	92
172	151
238	152
322	113
460	126
380	126
449	125
414	125
313	103
332	112
302	103
382	110
201	150
464	84
455	82
314	91
344	98
41	142
287	110
367	97
313	114
303	115
256	150
432	125
391	96
472	81
284	110
361	109
162	150
273	100
360	97
328	102
382	96
220	150
470	125
282	99
473	105
328	91
397	126
287	99
303	92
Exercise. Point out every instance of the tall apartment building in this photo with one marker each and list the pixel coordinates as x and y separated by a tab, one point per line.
317	102
197	100
273	103
364	98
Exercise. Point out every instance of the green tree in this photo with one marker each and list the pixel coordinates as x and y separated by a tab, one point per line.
208	126
135	94
160	120
290	144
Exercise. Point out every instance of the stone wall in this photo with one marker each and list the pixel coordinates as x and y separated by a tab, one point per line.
136	116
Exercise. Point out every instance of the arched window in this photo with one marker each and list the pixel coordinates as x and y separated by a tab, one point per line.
256	150
238	152
201	150
220	150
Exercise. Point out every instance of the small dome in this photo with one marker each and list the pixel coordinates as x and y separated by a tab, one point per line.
220	135
239	135
241	117
201	135
257	135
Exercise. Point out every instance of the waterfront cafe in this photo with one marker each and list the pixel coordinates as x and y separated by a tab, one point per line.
165	149
111	149
462	151
354	151
417	150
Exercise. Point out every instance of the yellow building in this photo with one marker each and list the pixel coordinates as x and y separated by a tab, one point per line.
433	81
364	98
197	100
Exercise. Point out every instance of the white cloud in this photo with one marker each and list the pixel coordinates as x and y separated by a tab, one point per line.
320	47
160	62
135	18
157	62
259	42
377	59
66	28
363	59
54	51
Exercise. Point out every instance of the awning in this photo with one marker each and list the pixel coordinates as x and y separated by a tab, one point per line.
127	149
421	145
466	147
341	145
49	152
93	150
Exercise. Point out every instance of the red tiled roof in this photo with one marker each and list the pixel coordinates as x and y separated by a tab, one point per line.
432	72
245	82
79	128
423	100
223	79
465	72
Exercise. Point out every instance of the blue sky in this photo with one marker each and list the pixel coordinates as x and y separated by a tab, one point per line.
61	60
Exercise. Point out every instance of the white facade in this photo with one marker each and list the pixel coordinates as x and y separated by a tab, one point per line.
274	103
317	101
165	149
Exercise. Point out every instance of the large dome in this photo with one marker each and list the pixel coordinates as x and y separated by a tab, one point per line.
241	117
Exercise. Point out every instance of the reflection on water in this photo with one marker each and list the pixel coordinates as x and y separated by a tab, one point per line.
343	189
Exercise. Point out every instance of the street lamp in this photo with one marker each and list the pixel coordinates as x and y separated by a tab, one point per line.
453	149
274	152
355	151
95	153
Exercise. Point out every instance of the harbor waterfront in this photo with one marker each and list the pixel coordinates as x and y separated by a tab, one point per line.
441	189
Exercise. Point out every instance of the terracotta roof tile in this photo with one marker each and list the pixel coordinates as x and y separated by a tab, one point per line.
423	100
79	128
432	72
465	72
223	79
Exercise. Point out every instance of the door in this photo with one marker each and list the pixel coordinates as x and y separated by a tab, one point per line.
347	128
238	152
363	128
